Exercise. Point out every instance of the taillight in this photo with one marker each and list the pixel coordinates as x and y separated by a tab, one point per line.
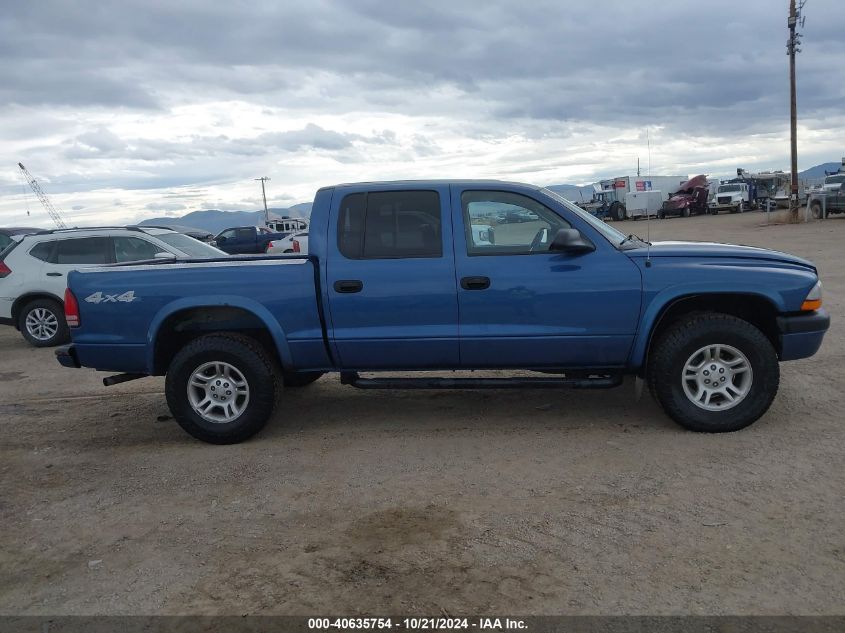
5	271
269	246
296	247
71	309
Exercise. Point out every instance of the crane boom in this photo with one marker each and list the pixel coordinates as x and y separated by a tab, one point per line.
45	201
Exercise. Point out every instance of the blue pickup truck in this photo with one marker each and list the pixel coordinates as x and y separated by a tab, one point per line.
397	281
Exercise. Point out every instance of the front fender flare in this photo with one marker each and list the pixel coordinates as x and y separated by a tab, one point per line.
663	300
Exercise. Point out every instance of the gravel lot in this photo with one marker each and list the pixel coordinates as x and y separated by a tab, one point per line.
530	502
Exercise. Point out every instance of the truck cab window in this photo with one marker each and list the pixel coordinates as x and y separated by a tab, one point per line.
504	223
390	224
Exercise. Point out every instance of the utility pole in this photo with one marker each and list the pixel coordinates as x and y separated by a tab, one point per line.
792	48
264	179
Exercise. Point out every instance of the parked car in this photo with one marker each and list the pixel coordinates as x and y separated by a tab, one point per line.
293	243
396	284
828	200
33	271
7	234
244	240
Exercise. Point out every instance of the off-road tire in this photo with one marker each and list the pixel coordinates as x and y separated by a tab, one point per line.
685	213
248	357
301	379
62	334
816	210
661	214
674	346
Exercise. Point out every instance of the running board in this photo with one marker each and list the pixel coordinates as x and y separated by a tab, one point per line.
108	381
599	382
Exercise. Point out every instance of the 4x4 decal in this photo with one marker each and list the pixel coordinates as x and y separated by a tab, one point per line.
99	297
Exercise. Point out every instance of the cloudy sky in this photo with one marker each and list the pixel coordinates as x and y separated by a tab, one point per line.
125	110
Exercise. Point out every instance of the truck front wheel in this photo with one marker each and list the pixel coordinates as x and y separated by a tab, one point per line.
221	388
713	372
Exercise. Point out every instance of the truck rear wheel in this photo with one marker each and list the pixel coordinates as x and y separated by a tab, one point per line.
816	210
221	388
713	372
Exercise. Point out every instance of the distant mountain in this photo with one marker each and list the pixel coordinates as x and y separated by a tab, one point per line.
215	220
818	170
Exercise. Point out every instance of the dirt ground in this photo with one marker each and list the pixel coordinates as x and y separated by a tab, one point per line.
352	502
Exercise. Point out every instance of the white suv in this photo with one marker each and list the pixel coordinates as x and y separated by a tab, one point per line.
34	268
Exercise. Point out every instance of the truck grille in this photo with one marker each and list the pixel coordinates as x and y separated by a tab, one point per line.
723	199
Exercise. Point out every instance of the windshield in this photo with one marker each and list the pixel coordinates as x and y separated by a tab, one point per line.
832	180
190	246
728	188
611	234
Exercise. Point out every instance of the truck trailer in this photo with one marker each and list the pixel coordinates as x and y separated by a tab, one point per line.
615	189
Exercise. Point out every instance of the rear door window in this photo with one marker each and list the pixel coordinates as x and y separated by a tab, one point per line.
84	250
390	224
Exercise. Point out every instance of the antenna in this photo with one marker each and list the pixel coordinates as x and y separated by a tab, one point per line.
647	214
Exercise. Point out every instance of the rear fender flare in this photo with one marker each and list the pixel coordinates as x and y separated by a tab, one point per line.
662	301
218	301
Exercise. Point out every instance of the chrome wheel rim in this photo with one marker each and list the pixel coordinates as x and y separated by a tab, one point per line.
717	377
218	392
42	324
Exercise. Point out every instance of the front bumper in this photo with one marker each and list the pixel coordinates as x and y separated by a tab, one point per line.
66	355
801	335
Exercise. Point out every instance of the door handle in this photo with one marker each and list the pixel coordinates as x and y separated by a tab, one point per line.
475	283
348	285
54	274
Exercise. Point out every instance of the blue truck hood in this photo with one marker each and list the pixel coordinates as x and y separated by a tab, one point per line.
714	249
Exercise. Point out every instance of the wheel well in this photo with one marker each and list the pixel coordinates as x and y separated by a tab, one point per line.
32	296
758	311
183	326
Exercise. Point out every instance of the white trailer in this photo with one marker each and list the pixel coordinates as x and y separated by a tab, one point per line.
642	203
617	188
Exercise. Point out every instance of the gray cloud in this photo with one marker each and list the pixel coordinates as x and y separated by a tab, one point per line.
544	71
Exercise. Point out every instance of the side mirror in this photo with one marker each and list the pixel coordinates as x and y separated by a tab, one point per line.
164	255
572	242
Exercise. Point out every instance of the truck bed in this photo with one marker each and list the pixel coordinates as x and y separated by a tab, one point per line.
123	307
